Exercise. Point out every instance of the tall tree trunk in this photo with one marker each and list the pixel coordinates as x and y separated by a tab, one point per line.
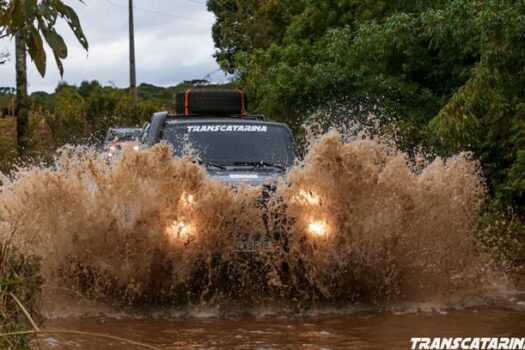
22	102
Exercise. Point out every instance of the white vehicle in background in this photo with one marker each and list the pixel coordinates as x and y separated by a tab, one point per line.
116	138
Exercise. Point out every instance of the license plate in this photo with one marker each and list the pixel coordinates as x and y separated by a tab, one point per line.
253	245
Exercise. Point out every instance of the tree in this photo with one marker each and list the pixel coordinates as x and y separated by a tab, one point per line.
450	71
22	103
3	34
245	25
31	22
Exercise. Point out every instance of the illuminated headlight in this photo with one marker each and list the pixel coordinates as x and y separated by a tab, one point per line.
136	148
180	229
318	228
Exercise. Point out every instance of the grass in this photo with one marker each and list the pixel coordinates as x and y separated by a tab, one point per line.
20	282
7	142
7	133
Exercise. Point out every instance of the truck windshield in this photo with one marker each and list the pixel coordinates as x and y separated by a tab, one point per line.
233	144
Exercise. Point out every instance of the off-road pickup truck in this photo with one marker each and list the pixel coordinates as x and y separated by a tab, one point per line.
235	147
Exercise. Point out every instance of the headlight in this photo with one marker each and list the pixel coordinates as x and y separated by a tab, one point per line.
136	148
180	229
183	229
318	228
112	149
312	213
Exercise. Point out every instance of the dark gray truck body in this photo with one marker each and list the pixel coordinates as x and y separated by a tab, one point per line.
236	149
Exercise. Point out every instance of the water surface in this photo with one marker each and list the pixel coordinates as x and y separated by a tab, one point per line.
361	330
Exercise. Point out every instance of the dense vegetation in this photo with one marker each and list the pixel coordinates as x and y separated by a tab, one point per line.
451	73
78	114
32	24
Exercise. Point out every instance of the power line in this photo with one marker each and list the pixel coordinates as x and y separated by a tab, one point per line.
160	13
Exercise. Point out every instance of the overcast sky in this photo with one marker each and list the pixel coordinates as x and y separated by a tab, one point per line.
172	43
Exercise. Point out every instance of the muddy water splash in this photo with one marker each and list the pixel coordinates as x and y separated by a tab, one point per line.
354	222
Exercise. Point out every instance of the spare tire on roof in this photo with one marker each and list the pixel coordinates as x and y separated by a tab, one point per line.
211	102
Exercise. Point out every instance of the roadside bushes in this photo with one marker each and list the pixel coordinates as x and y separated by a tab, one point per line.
83	114
76	115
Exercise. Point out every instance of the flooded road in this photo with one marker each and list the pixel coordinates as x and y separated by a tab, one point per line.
355	223
359	330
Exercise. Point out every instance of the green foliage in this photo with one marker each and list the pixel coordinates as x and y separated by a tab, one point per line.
486	114
68	119
245	25
79	114
34	22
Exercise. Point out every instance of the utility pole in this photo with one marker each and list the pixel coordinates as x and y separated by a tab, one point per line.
132	73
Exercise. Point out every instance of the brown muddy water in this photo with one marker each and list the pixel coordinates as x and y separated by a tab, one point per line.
355	330
356	223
